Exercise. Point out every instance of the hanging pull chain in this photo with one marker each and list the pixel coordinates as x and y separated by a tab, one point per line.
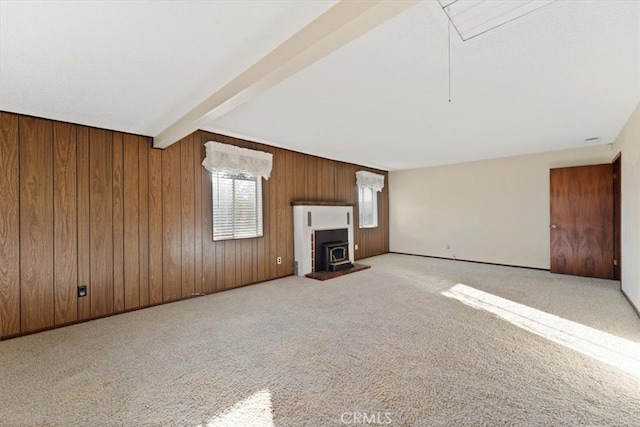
449	49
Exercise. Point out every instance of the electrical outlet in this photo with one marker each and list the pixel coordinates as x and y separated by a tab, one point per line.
279	260
82	291
355	247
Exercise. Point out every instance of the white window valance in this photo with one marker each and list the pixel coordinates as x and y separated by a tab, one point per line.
234	159
370	180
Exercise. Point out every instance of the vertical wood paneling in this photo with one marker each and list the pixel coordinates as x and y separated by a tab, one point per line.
171	224
230	265
361	233
276	197
209	248
339	185
84	206
262	268
240	269
131	223
312	177
347	184
254	256
300	191
187	193
144	145
247	264
9	226
326	180
285	239
155	226
65	228
36	224
84	232
118	223
383	235
197	207
101	221
218	266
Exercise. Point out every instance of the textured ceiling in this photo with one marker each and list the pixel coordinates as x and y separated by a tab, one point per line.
568	72
133	66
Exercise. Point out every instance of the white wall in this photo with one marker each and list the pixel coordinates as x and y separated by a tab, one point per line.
493	210
628	142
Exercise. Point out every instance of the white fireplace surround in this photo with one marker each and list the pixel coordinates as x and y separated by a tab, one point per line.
307	219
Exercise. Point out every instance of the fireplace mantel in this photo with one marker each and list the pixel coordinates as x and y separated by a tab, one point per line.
309	218
312	203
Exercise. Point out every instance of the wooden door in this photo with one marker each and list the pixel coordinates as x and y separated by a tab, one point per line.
582	241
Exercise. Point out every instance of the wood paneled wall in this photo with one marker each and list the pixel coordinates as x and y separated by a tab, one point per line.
86	206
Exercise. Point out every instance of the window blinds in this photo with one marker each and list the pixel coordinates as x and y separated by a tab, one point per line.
237	206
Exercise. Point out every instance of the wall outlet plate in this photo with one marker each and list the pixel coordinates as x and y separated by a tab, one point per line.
279	260
82	291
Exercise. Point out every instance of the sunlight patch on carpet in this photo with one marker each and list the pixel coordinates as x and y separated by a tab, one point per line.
256	410
610	349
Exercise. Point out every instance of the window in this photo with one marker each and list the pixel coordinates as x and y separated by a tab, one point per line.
236	189
368	207
369	184
237	205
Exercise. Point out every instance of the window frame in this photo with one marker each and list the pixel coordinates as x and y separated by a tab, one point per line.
374	208
235	234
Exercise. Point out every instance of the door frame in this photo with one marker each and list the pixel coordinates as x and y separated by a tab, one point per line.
617	217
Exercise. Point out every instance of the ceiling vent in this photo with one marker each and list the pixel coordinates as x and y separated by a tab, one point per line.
472	18
593	140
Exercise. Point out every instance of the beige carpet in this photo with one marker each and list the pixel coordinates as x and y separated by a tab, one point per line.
382	345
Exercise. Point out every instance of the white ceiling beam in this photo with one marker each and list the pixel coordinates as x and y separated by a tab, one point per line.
343	23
